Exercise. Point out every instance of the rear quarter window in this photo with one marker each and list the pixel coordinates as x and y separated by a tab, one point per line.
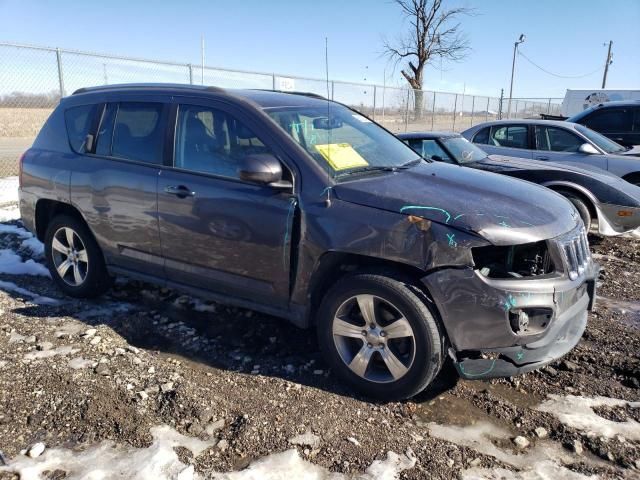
78	121
482	136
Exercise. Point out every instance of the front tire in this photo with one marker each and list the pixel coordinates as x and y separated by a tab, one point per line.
74	258
582	208
377	333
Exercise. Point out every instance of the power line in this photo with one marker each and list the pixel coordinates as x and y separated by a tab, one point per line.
555	74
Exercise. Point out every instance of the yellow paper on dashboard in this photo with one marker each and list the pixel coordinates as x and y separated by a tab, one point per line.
341	156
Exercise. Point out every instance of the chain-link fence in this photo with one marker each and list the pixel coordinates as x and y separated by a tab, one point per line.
32	80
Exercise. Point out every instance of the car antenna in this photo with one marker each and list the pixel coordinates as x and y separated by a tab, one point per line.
326	69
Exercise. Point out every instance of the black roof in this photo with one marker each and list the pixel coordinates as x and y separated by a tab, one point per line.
426	135
264	98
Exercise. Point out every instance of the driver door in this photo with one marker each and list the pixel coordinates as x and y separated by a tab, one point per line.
557	144
218	232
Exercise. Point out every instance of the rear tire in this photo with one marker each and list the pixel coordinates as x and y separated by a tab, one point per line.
74	258
634	179
377	333
582	208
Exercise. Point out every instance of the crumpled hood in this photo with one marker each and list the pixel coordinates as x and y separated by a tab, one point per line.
503	210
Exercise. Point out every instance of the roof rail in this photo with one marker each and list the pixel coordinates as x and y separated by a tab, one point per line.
141	86
304	94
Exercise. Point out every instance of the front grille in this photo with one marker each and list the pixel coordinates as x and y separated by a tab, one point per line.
575	251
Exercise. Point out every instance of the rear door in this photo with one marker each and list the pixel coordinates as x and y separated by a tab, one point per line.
505	139
217	231
114	183
561	145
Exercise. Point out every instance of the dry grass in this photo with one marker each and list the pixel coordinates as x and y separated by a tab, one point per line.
22	122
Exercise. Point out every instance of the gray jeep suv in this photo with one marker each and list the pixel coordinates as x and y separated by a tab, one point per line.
302	208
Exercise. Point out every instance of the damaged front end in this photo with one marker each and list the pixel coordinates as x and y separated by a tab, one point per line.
518	307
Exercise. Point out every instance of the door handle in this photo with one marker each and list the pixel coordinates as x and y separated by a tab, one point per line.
542	157
179	191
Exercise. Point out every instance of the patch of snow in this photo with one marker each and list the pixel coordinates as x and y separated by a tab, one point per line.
11	263
577	412
540	471
532	463
306	439
34	297
104	311
200	306
8	190
160	462
80	363
67	330
106	460
34	245
11	212
288	464
15	230
41	354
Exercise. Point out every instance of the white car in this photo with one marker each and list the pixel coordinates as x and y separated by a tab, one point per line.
555	141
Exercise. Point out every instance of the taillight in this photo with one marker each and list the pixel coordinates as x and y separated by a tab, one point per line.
20	168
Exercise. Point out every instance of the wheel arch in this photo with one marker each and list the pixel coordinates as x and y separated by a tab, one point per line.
633	177
47	209
577	190
334	265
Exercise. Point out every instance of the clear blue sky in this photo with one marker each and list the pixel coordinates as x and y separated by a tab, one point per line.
563	36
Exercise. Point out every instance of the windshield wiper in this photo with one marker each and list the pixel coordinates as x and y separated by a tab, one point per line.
413	162
381	168
370	168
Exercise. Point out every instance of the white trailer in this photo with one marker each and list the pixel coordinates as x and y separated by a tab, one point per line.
576	101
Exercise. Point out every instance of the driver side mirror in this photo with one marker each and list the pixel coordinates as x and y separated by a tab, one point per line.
588	149
262	168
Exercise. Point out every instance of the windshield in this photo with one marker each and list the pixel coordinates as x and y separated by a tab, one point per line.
462	150
341	140
600	140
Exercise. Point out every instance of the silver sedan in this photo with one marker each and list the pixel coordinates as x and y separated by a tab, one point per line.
555	141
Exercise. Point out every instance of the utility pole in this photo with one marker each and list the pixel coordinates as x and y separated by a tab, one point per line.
606	65
513	68
202	71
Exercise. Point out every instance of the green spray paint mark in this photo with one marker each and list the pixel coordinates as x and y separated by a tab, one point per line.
504	224
509	303
419	207
458	216
452	242
519	355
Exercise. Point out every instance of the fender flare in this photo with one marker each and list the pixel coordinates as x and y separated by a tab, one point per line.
578	188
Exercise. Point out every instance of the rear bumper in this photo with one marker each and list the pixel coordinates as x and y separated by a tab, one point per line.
475	313
611	222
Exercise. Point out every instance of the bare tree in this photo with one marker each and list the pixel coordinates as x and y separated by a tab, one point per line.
434	34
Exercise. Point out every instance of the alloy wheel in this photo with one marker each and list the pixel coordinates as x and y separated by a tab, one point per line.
373	338
70	257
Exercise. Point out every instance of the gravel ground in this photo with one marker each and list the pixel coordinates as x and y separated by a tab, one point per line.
75	373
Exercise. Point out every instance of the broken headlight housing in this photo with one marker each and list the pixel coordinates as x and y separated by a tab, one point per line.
515	261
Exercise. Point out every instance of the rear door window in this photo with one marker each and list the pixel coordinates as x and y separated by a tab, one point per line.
138	132
611	120
79	121
482	136
511	136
